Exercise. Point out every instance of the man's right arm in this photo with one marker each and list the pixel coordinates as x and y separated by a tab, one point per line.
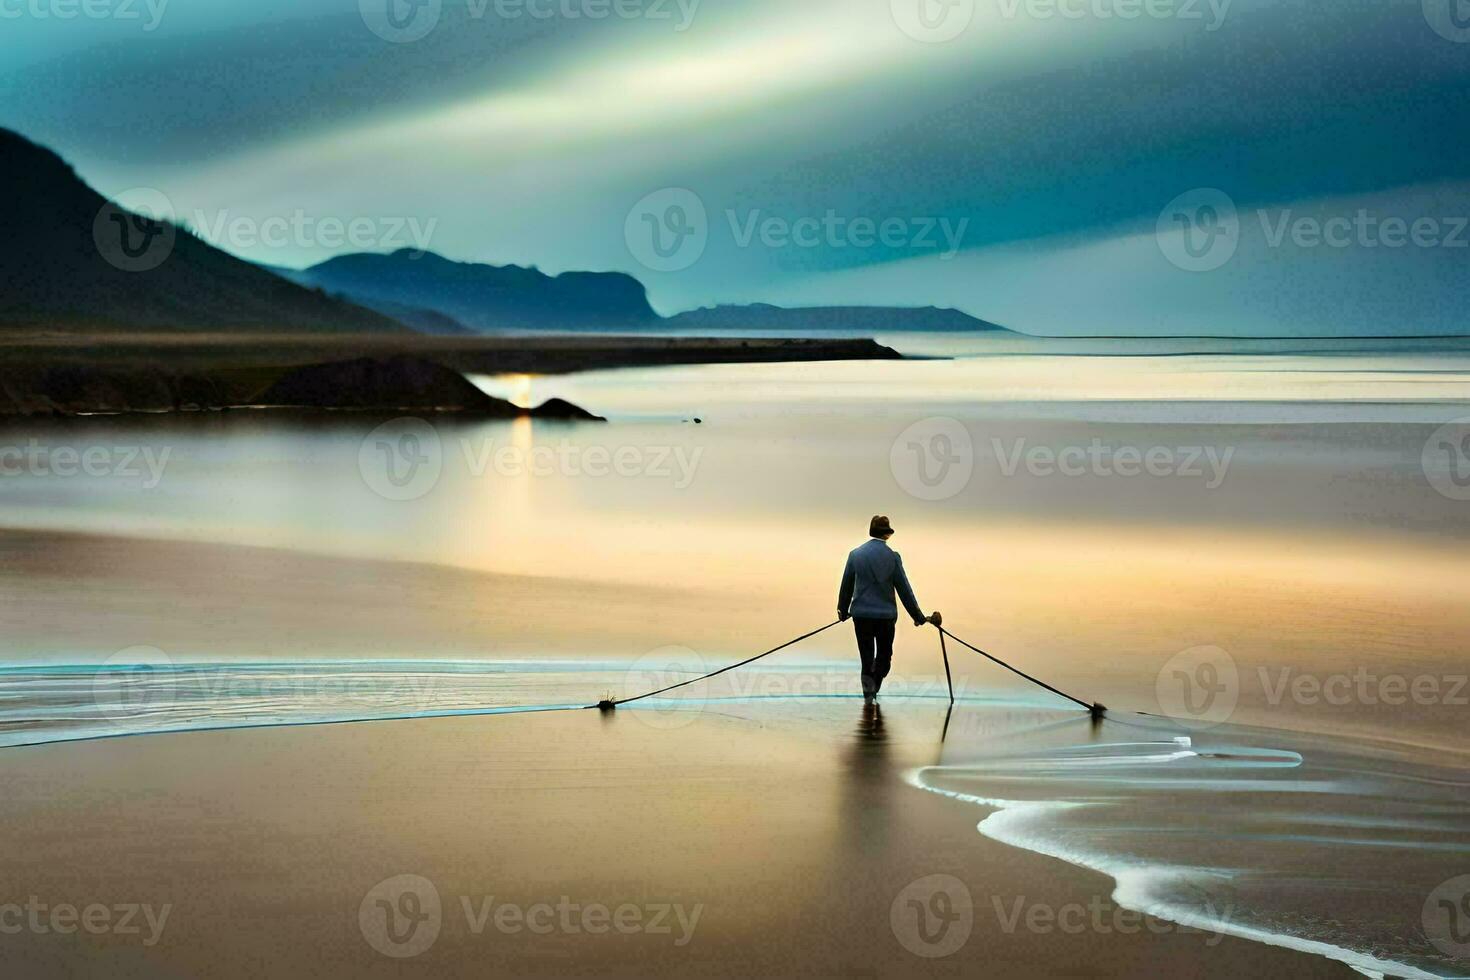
844	594
906	594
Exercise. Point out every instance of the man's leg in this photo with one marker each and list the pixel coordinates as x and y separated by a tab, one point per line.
863	628
883	650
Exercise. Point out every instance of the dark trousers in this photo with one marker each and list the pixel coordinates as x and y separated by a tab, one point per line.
875	648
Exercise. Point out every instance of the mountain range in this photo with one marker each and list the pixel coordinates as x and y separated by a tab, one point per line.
437	295
78	261
415	285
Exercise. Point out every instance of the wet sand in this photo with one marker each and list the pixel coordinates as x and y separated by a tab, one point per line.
788	827
79	598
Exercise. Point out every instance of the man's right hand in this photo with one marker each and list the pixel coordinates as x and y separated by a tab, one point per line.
842	615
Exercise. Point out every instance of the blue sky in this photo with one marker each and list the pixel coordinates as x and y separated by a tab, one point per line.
1039	163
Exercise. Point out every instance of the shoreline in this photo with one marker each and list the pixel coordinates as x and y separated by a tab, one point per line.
159	374
505	354
823	839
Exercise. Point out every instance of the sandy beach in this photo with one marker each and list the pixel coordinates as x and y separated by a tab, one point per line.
790	834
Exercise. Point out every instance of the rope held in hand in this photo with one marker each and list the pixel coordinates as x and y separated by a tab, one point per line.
1096	710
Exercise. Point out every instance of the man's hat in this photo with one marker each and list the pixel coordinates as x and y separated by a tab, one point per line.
879	527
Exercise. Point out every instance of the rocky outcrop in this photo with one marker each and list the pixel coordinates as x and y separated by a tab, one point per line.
395	384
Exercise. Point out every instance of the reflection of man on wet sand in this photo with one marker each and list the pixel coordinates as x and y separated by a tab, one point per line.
873	574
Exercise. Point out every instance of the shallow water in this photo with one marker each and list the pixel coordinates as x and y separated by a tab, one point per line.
1339	848
1311	542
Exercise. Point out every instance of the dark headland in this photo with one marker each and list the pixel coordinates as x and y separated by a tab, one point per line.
78	373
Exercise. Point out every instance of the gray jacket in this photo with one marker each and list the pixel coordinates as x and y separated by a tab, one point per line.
873	572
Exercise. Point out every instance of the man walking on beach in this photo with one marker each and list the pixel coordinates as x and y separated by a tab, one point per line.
874	571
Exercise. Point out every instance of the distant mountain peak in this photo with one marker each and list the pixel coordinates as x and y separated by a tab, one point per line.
485	297
858	320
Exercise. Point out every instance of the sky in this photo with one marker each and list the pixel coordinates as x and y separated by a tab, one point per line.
1082	167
